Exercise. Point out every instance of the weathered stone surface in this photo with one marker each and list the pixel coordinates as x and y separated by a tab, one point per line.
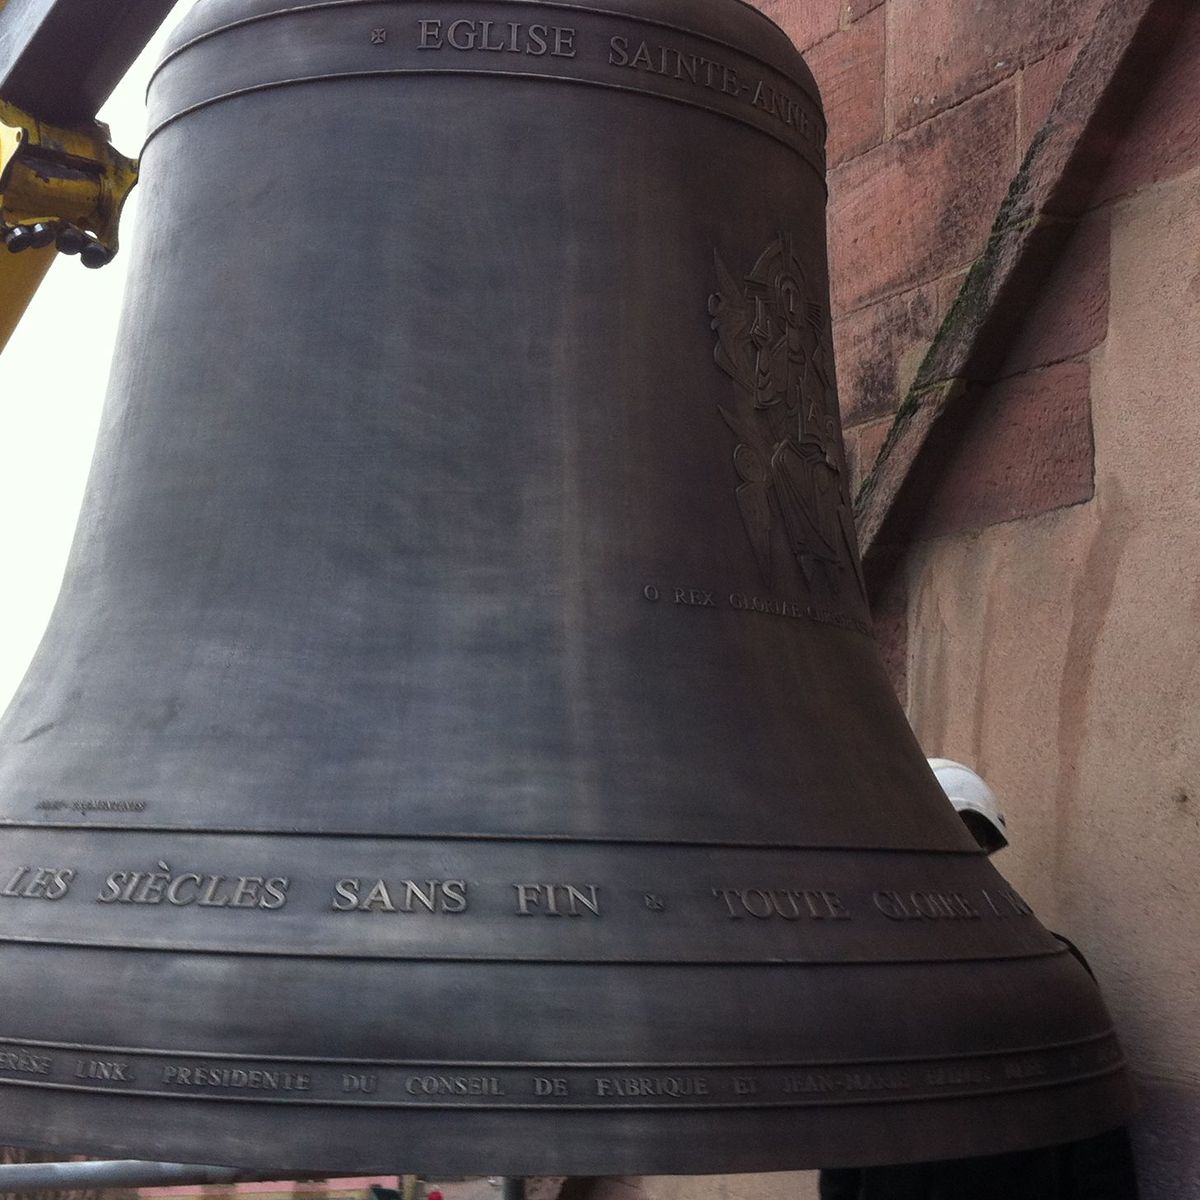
1059	656
1026	448
944	50
1041	83
806	22
856	9
1163	141
1040	211
849	69
1070	315
863	443
870	346
921	204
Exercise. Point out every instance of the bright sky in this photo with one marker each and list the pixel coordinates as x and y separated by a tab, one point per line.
52	379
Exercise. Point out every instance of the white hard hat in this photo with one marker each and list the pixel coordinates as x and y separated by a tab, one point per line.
974	801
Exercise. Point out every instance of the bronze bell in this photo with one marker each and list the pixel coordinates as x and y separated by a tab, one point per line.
459	744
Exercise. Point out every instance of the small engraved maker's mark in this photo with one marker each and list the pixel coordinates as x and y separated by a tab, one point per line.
378	37
654	903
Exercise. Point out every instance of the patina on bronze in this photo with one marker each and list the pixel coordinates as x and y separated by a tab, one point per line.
460	744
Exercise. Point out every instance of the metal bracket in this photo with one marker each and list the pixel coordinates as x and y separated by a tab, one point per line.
64	187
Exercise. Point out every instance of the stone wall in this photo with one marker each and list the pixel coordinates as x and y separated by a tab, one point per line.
1053	600
932	105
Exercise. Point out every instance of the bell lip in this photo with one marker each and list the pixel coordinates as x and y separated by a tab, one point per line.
745	27
940	1131
870	1109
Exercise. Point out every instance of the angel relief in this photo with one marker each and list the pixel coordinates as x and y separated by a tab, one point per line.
772	342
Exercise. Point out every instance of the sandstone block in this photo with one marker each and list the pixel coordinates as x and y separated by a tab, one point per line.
859	8
1070	314
945	50
850	73
1041	82
1025	447
806	22
920	205
863	443
870	346
1163	138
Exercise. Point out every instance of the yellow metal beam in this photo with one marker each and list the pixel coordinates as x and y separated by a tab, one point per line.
59	188
20	275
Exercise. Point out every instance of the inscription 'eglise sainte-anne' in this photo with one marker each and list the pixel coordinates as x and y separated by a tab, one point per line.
546	40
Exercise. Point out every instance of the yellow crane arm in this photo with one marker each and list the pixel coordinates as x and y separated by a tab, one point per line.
20	277
60	189
62	185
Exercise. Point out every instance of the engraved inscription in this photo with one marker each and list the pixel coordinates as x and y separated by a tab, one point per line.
39	883
846	1081
447	897
24	1063
193	888
114	1072
237	1078
497	37
557	899
769	606
454	1085
925	906
729	83
782	903
516	1085
88	806
1007	904
695	598
701	72
674	1086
